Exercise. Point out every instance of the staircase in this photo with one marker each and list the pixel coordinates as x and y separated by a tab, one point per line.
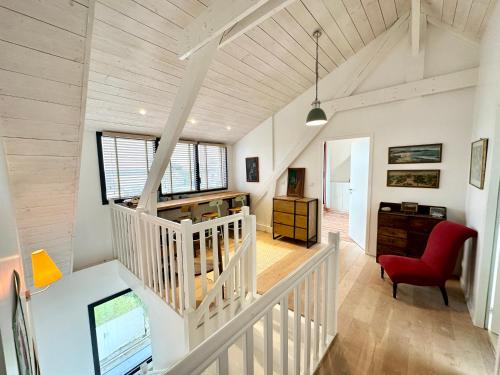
287	330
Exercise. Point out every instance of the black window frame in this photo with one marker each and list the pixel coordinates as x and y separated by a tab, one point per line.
102	176
93	336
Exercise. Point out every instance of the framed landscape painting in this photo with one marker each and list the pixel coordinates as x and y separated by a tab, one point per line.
479	150
416	154
428	178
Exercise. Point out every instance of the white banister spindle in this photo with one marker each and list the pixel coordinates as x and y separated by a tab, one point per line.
317	306
268	342
188	263
284	334
307	328
324	316
297	327
141	244
203	263
248	354
223	363
331	284
171	257
164	256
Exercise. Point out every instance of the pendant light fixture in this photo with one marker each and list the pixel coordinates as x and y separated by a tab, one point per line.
316	115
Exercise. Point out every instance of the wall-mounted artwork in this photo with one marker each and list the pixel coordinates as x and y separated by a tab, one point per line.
416	154
479	150
21	338
428	178
296	182
252	167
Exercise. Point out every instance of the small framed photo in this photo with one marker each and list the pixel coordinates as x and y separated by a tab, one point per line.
409	207
478	152
438	212
252	169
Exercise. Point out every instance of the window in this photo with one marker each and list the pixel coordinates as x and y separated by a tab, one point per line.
180	175
120	334
125	160
213	166
125	163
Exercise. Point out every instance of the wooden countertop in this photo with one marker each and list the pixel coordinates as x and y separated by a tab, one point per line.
200	199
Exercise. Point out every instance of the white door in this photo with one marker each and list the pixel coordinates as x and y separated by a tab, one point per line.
358	203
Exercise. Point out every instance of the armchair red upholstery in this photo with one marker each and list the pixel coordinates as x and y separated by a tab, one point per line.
436	264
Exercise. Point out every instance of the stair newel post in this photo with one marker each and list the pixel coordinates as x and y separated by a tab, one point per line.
250	228
189	287
332	283
140	230
113	228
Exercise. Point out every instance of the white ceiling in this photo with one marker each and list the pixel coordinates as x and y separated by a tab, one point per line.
134	62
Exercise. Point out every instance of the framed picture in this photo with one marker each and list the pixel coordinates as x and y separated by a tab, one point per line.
419	178
409	207
252	168
438	212
416	154
478	152
296	182
21	337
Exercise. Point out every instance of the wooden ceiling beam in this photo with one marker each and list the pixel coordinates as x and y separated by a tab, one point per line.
217	18
415	27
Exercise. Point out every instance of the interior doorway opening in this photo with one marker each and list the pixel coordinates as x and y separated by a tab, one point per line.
346	169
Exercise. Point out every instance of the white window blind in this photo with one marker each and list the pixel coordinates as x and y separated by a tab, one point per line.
126	164
180	176
213	166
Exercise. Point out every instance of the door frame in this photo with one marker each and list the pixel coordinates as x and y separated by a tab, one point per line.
320	154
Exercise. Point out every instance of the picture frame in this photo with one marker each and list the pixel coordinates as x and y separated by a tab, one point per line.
252	169
414	178
409	207
20	332
415	154
437	212
478	155
296	182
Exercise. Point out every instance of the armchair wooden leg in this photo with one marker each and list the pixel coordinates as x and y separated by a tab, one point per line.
382	272
445	294
394	290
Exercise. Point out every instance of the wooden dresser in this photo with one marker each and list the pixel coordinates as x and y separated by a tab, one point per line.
296	218
400	233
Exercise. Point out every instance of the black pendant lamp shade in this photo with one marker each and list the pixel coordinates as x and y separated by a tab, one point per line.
316	116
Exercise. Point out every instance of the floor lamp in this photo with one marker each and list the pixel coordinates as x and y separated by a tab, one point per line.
45	273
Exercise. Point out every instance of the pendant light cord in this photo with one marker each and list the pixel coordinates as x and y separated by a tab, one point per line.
317	34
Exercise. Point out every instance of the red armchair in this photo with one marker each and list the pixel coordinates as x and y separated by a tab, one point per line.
435	266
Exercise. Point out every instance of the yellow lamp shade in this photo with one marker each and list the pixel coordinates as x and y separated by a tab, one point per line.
45	271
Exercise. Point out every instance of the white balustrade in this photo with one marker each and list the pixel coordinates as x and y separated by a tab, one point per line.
313	290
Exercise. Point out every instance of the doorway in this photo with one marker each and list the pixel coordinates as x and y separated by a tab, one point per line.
346	169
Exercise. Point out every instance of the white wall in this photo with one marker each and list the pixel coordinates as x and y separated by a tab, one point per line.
442	118
481	204
93	241
62	325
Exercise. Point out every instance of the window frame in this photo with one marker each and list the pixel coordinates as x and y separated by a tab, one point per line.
93	335
102	176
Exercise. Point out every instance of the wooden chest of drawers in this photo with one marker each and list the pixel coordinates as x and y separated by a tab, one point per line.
296	218
405	234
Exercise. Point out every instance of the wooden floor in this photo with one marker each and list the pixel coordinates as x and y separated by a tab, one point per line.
415	334
335	221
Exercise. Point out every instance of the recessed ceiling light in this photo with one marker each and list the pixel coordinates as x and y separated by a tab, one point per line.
142	111
228	128
192	121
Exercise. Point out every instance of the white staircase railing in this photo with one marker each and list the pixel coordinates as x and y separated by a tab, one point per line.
313	289
161	253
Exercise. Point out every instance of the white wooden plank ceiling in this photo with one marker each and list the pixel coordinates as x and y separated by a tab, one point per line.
42	49
134	63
